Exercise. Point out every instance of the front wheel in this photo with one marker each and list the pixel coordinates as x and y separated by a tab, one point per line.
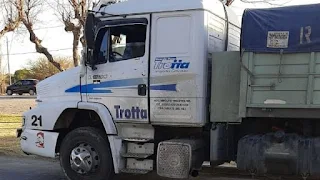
85	155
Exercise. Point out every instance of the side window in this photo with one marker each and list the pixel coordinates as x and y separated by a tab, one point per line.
128	42
26	83
18	83
101	53
121	43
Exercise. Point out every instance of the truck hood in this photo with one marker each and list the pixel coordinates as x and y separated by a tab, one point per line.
54	88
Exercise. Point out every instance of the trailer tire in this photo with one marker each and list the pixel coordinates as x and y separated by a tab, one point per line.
85	155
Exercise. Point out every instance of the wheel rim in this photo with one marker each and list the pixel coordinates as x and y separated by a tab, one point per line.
84	159
31	92
9	92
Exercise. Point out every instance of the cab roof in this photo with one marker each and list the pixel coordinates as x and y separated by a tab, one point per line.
154	6
145	6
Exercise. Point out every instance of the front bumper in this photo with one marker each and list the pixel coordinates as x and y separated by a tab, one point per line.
36	142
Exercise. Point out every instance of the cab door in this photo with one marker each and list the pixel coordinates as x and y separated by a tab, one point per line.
120	78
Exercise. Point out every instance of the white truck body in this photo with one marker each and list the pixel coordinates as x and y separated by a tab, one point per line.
179	39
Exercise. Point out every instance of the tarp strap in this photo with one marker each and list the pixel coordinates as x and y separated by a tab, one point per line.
280	66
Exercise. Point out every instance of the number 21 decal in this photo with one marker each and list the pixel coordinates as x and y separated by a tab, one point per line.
36	121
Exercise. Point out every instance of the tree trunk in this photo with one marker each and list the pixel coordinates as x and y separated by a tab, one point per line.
83	41
76	38
10	26
39	48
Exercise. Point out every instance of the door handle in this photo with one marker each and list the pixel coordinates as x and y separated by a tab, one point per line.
142	89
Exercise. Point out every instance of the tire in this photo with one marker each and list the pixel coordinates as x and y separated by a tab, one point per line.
97	141
9	92
31	92
20	94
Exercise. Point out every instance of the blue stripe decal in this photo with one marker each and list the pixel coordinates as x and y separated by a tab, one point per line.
73	89
164	87
96	88
167	87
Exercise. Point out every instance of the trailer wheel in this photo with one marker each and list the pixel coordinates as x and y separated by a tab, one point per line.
85	155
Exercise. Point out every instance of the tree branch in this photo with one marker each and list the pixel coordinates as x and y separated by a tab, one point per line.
74	19
229	2
12	24
27	21
37	42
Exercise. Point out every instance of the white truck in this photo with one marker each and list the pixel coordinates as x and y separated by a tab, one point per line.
159	89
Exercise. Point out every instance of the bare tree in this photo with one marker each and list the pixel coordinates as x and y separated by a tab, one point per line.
28	11
73	16
11	15
10	22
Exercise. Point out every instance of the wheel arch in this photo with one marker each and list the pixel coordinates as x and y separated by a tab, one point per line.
72	118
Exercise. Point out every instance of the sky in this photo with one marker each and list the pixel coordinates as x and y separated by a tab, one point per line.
50	30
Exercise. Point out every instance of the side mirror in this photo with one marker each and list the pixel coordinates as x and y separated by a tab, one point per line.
89	33
89	30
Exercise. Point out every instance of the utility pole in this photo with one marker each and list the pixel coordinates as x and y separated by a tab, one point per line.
8	57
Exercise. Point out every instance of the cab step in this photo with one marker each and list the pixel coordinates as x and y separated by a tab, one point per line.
135	171
135	155
135	166
142	140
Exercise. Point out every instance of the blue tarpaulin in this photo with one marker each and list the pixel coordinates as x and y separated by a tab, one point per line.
291	29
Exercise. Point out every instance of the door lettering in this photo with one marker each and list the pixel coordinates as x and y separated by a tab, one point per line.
133	113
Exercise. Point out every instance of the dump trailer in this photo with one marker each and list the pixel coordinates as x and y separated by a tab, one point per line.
166	85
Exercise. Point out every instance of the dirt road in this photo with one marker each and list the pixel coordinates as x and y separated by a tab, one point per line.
15	106
37	169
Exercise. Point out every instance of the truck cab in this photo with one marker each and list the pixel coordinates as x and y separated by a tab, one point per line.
163	86
140	94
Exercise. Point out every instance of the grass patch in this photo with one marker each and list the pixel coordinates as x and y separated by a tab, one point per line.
9	144
10	118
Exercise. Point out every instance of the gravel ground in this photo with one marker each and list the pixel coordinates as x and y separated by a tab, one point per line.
15	106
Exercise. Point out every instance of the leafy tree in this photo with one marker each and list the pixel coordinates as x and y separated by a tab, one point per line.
25	12
22	74
42	68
